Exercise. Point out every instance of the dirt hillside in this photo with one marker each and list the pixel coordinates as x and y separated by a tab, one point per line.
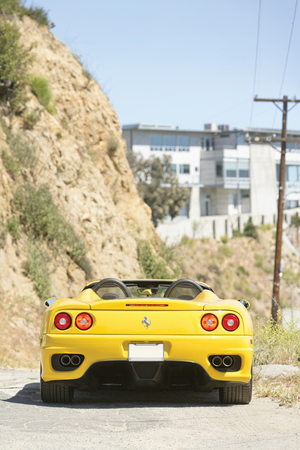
81	158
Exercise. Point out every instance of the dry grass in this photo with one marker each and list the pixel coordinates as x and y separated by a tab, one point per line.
284	390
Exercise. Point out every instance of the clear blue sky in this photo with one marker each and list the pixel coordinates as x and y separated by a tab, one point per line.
185	62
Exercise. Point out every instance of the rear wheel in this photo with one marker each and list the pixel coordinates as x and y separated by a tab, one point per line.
236	395
56	393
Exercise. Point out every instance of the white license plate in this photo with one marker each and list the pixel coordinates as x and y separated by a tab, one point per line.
146	352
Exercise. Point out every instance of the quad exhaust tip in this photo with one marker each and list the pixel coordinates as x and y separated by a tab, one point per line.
65	360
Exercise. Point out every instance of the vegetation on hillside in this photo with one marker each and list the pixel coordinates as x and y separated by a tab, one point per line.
18	8
158	185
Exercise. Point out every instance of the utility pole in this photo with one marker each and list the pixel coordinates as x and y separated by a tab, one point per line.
283	140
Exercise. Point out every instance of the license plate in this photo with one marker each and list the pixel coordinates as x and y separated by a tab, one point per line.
146	352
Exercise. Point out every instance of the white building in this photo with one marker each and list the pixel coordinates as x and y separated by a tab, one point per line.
227	175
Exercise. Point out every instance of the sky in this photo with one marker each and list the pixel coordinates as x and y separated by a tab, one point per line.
187	62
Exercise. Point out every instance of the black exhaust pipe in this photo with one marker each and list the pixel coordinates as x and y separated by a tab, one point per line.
75	360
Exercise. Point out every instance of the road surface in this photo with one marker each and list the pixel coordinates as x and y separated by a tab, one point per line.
139	421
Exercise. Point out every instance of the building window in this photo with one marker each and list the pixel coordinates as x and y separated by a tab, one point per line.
174	169
207	145
230	169
184	168
170	143
244	169
219	169
277	171
202	143
292	173
156	142
183	143
195	142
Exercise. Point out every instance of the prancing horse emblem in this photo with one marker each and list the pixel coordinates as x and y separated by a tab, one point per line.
145	321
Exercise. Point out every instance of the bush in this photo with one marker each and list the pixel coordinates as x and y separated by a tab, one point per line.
31	118
225	250
41	219
250	230
152	265
242	271
3	234
24	151
36	267
41	88
13	227
275	345
9	7
11	164
187	242
14	63
224	239
259	261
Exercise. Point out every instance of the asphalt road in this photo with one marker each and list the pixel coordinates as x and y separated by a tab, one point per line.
144	421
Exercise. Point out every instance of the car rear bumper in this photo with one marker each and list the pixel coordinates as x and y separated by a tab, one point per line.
185	357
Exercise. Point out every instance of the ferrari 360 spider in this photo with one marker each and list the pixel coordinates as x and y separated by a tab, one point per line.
146	334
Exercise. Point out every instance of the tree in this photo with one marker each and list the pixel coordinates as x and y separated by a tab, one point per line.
158	185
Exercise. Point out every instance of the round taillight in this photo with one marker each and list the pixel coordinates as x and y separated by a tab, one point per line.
84	321
62	321
209	322
230	322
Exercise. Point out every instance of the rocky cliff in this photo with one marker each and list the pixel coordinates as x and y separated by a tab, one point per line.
81	157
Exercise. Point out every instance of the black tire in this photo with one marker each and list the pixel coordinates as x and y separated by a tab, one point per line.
56	393
236	395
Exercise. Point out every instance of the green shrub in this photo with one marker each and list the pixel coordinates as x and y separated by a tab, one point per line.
225	250
187	242
236	233
24	151
242	271
275	345
11	164
152	265
10	7
31	118
14	63
36	267
265	227
259	261
41	88
3	234
13	227
224	239
41	219
250	230
295	221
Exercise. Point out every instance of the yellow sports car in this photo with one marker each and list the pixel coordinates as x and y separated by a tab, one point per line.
146	334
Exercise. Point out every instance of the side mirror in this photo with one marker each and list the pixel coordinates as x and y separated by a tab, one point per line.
244	302
49	301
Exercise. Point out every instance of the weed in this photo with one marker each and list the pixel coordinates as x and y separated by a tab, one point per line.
14	63
225	250
276	345
31	118
265	227
3	234
187	242
154	265
24	151
285	390
236	233
224	239
13	227
11	164
250	230
259	261
242	271
42	90
9	7
36	267
112	145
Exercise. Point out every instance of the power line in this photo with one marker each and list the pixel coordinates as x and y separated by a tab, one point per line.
256	58
287	57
